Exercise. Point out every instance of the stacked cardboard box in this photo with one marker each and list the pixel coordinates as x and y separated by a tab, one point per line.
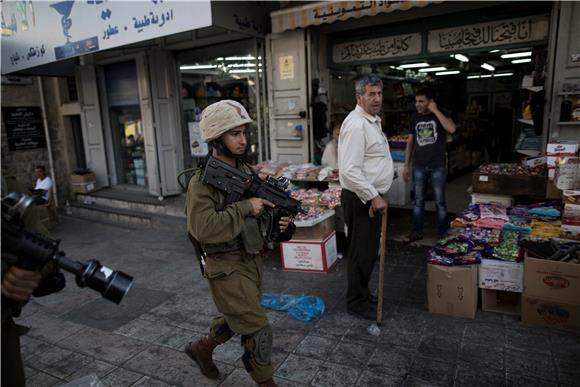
501	283
556	150
84	183
551	294
452	290
313	246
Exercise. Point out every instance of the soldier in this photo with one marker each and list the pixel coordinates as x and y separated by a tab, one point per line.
233	237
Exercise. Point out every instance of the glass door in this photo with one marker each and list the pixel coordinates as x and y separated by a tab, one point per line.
126	122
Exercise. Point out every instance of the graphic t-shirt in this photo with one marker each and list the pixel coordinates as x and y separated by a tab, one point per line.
430	140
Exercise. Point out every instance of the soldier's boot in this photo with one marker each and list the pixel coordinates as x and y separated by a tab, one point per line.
268	383
201	352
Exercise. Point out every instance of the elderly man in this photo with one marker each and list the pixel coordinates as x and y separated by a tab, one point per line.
366	173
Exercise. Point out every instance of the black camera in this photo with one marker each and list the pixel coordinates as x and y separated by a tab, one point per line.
33	251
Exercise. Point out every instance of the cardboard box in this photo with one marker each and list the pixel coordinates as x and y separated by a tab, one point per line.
559	281
550	313
533	162
568	173
571	214
316	229
570	231
501	275
509	184
498	200
562	148
498	301
307	255
84	187
571	196
86	178
452	290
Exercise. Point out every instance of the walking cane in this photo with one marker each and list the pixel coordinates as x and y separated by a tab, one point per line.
383	247
382	267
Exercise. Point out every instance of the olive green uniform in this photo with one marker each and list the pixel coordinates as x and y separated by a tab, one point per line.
232	240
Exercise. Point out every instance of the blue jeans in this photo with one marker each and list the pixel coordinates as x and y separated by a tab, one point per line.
438	177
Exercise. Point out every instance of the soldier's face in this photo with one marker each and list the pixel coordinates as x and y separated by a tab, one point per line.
235	140
371	100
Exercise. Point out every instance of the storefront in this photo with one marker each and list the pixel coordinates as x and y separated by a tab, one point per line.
493	65
144	77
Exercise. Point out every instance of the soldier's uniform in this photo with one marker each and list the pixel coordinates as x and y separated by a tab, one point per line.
233	241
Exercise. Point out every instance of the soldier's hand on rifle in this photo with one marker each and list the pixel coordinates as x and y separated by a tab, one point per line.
19	284
284	223
259	204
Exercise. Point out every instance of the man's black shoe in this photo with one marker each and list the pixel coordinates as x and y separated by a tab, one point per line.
364	314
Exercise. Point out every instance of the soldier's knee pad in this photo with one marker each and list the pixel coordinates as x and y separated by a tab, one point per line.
257	348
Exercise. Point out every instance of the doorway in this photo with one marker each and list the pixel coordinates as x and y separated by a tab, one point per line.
126	123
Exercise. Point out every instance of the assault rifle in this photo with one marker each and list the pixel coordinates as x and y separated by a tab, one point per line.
237	184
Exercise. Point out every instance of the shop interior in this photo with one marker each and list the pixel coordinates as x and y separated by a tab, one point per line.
228	71
495	96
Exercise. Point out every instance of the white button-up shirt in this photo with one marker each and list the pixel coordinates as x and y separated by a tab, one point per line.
365	165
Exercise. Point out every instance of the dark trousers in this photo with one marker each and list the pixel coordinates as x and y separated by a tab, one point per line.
363	240
12	367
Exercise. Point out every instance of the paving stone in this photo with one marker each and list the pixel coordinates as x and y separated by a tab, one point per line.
528	340
394	361
473	375
530	364
316	347
44	360
352	353
484	356
439	347
372	379
103	345
287	340
121	377
143	330
49	328
42	379
433	372
30	346
175	368
335	375
238	378
565	346
177	338
485	334
29	372
105	315
568	372
90	366
519	380
147	381
229	352
299	369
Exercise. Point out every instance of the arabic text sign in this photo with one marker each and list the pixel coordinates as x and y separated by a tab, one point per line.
380	48
330	11
521	30
40	32
24	128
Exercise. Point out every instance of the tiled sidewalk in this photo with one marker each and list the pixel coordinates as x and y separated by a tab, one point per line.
140	343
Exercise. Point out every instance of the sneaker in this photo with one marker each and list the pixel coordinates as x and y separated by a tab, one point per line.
412	237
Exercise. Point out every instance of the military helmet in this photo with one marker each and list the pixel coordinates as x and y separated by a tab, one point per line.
219	117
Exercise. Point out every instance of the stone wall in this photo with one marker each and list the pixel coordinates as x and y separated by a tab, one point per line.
20	164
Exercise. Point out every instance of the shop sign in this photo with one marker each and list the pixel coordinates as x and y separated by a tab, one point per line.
40	32
286	67
380	48
24	128
325	12
497	33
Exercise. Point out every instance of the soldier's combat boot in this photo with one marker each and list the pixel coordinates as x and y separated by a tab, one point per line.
201	352
268	383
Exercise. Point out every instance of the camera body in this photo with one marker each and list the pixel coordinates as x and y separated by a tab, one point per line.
34	251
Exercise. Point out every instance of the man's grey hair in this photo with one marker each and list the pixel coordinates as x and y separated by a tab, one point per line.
366	80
